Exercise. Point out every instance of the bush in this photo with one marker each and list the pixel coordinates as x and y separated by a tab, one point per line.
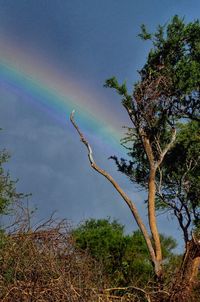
44	265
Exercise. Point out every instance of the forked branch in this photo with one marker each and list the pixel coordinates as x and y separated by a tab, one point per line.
125	197
167	148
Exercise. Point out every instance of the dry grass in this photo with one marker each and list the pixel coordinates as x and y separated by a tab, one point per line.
44	265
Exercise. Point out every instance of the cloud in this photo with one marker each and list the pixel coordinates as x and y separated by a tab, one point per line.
89	45
52	164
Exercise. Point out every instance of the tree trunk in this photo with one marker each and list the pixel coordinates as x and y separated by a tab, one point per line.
153	165
153	224
187	275
187	278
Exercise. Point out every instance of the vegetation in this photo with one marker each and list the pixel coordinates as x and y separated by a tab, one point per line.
123	258
8	193
163	143
52	262
97	261
179	190
43	265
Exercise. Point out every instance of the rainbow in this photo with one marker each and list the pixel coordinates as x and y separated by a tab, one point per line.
36	81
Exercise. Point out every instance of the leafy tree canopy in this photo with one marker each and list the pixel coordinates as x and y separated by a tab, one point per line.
124	257
165	110
169	85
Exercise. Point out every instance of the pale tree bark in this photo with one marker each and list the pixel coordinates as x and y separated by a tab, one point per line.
154	249
153	223
181	288
125	197
151	206
153	166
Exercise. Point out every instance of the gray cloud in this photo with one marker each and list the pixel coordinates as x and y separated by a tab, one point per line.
51	163
90	40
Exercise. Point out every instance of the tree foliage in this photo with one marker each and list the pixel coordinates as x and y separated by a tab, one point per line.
124	257
169	83
8	192
167	99
180	187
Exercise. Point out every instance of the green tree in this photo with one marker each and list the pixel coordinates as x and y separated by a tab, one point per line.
123	258
8	192
166	95
180	187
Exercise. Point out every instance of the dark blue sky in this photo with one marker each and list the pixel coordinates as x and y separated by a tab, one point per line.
88	41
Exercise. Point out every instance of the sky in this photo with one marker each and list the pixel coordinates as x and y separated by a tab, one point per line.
54	57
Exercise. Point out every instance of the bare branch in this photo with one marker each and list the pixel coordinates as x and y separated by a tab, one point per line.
90	156
167	148
146	294
126	198
159	185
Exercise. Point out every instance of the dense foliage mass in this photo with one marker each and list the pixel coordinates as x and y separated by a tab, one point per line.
166	98
123	257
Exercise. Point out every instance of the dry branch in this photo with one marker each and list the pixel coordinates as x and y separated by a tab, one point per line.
125	197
